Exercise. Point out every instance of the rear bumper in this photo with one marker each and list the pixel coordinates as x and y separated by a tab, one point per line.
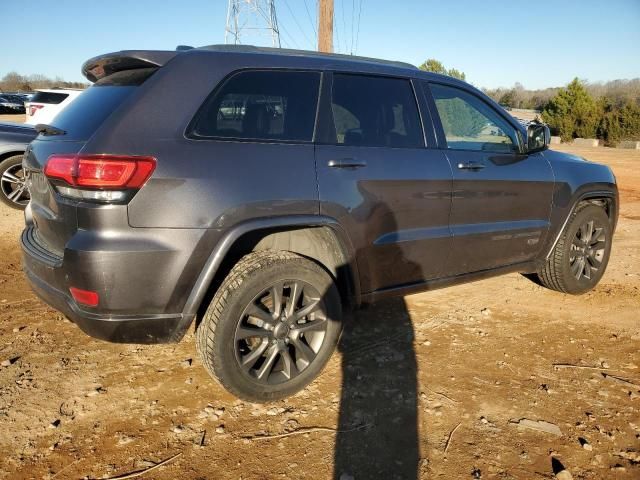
48	278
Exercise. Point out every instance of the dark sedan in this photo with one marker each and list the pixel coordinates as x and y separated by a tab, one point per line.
14	138
11	103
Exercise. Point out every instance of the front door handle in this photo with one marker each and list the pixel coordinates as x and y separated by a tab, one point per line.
471	166
347	163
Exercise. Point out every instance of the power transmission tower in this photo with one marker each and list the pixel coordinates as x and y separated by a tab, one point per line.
250	21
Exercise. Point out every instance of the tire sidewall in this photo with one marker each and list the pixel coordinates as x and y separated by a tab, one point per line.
224	360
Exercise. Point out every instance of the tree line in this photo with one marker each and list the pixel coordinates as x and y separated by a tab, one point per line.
609	111
15	82
618	92
574	112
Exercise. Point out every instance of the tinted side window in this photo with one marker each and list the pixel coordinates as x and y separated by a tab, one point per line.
375	112
49	97
262	105
471	124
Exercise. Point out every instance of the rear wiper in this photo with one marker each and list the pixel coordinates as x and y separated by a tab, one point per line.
45	129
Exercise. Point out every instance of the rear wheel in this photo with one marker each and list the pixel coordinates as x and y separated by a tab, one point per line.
580	257
271	326
13	185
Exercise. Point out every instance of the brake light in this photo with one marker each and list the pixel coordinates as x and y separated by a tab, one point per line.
33	109
85	297
102	172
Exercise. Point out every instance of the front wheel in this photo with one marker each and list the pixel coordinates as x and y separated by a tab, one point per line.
581	255
271	326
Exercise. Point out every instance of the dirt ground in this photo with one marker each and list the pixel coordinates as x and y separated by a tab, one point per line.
439	385
12	118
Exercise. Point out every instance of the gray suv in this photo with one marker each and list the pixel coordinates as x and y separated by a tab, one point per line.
258	193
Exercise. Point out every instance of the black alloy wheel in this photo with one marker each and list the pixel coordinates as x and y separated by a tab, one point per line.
280	332
587	249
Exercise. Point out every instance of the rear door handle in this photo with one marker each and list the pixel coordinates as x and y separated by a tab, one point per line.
471	166
347	163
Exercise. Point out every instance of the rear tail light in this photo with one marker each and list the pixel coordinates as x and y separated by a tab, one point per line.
99	177
85	297
32	109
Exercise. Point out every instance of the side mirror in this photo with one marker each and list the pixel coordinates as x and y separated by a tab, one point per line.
538	137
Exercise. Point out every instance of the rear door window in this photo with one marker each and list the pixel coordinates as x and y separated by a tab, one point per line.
262	105
375	112
49	97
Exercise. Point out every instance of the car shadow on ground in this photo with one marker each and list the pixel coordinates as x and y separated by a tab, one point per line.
378	422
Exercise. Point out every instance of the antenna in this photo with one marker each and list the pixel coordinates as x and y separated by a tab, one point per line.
250	21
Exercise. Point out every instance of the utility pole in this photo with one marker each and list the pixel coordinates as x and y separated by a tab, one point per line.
325	26
250	19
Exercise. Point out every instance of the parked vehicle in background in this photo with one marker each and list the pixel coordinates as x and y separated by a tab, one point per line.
258	192
11	103
46	104
25	96
14	138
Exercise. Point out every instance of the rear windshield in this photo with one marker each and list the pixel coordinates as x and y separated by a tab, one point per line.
49	97
82	117
86	113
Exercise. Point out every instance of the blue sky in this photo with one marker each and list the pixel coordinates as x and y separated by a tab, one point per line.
540	43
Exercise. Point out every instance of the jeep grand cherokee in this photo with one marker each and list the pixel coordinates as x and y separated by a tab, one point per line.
257	193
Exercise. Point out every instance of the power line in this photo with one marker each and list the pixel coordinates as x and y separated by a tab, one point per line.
298	24
344	28
337	30
358	31
293	40
353	16
313	25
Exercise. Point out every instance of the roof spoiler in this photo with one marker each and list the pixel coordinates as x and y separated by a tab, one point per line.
104	65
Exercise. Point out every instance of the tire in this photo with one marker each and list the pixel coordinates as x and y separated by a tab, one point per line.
13	190
281	353
581	255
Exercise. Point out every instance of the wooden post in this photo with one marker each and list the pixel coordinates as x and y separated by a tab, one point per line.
325	26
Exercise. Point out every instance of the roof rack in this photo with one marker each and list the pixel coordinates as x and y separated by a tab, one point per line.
303	53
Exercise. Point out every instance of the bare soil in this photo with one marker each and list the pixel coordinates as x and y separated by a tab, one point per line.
18	118
446	384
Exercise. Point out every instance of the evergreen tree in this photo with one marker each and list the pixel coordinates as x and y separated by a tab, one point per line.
573	112
433	65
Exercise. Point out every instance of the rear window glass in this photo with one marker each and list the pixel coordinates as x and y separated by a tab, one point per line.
49	97
82	117
262	105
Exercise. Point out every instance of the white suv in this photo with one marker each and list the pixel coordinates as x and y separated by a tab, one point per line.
46	104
